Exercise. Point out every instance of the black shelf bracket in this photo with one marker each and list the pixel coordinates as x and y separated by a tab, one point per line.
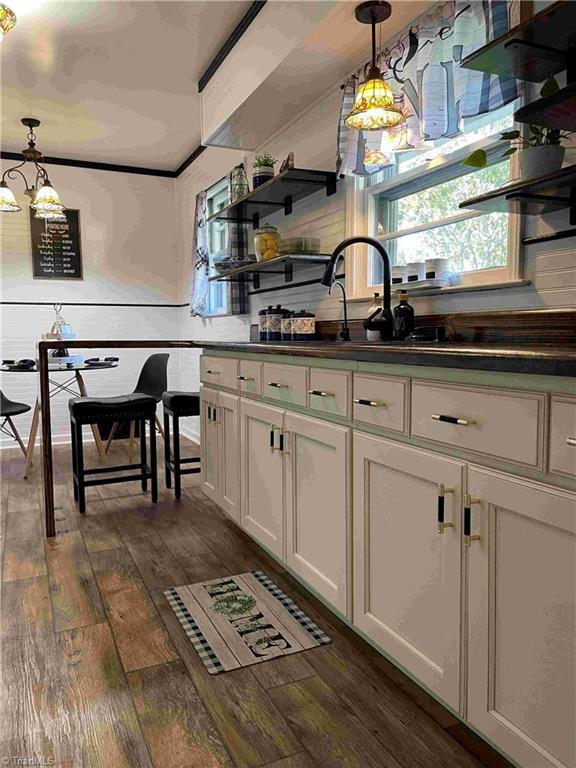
561	235
288	272
290	286
287	205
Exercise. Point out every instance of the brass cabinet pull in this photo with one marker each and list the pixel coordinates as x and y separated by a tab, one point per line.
320	393
245	378
373	403
468	502
571	441
453	420
442	491
213	373
277	385
273	446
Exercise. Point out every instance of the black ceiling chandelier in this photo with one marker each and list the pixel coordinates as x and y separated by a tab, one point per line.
44	198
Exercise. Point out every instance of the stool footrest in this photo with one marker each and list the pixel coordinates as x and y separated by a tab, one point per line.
117	468
189	461
112	480
191	471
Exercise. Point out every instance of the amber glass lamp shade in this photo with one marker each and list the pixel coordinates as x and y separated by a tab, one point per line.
7	20
374	107
8	202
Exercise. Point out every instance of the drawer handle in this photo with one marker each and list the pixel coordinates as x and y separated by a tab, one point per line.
373	403
468	502
213	373
277	385
453	420
245	378
442	491
273	430
320	393
571	441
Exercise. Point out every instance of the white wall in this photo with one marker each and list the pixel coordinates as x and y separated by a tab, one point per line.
129	252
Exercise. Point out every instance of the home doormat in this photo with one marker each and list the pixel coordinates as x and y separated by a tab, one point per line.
241	620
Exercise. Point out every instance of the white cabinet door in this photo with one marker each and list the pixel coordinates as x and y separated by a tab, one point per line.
262	474
522	618
318	505
407	574
228	418
209	442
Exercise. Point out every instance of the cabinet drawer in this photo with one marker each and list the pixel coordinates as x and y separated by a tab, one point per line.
383	402
250	377
286	383
563	436
329	391
502	424
222	371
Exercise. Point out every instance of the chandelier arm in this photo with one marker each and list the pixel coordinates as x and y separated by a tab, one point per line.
40	172
10	171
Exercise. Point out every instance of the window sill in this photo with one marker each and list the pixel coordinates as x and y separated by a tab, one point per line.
448	291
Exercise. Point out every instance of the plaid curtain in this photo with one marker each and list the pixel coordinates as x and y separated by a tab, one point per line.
200	265
237	250
436	94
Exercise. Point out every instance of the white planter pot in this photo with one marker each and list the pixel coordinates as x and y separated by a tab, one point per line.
540	161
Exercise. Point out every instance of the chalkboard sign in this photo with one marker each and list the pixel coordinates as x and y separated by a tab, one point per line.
56	253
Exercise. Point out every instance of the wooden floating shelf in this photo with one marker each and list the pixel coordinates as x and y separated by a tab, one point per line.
530	197
280	265
534	50
555	111
280	192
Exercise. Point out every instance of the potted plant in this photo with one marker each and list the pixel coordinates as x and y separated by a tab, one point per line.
540	153
262	169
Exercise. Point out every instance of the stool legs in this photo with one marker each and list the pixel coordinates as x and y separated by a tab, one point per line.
176	455
167	450
79	450
153	469
74	462
144	481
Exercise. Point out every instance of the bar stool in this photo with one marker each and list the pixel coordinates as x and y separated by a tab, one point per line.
177	405
91	410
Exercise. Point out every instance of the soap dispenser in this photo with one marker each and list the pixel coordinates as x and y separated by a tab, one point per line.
371	323
403	317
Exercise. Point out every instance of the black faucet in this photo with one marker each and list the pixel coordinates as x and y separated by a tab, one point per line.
345	332
385	321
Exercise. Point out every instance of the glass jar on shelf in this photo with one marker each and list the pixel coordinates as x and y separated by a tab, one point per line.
266	242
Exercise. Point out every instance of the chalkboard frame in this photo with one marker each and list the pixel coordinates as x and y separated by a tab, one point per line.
36	276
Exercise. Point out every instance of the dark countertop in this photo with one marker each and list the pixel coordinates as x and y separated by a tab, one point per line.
546	360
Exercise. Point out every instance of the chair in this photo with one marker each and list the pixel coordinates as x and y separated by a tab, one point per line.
153	381
93	410
8	409
177	405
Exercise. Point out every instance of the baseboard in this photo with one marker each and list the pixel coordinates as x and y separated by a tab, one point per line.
191	434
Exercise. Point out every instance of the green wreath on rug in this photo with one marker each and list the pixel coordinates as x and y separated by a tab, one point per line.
236	604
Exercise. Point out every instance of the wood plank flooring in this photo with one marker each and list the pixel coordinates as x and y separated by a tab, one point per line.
97	671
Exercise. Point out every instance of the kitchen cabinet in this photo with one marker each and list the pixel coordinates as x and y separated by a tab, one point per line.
209	447
408	558
318	505
219	415
262	474
522	618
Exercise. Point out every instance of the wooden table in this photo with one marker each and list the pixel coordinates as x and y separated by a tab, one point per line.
44	374
61	386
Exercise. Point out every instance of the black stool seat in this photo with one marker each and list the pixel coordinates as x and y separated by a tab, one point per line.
182	403
122	408
11	407
177	405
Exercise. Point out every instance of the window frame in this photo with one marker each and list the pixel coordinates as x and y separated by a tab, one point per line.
361	207
213	192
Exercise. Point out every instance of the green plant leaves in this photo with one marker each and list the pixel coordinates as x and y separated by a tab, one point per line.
477	159
510	135
549	87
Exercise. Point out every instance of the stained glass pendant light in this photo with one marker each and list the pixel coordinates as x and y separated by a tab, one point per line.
45	200
7	20
374	108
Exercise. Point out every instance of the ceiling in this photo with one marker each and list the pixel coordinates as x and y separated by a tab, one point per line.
112	81
115	81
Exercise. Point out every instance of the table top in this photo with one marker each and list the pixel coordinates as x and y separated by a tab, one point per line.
70	367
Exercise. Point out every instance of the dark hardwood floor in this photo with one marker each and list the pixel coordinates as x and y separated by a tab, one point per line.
97	671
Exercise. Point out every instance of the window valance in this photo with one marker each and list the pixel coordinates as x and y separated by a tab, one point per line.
437	95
